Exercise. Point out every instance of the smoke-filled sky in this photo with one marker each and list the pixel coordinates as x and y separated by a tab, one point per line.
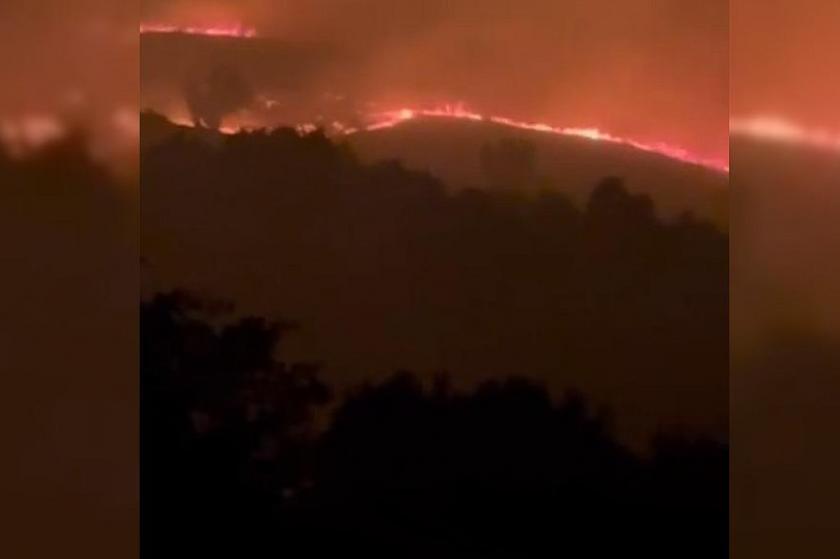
784	60
73	60
659	69
53	49
656	70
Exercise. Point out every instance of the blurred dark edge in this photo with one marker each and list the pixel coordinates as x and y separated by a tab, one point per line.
69	363
785	353
69	473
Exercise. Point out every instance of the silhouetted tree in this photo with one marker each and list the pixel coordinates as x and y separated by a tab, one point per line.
225	427
232	465
506	471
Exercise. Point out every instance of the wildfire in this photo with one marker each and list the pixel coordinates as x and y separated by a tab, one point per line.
380	120
388	119
107	134
782	130
235	30
29	132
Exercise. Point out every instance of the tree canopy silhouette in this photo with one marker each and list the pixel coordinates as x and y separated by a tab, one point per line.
233	465
388	268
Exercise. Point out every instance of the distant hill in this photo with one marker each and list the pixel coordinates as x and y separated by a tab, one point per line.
451	149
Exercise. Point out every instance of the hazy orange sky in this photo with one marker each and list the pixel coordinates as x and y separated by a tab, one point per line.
784	60
54	51
659	69
74	60
654	70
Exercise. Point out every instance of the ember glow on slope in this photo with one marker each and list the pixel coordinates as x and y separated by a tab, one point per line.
650	71
380	120
390	119
235	30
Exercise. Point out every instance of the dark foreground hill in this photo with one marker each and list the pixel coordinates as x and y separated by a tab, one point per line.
390	269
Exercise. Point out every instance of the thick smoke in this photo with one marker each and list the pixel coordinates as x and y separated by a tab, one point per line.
653	70
72	64
783	60
220	93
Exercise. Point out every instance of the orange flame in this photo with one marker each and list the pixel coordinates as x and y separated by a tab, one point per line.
236	30
29	132
782	130
388	119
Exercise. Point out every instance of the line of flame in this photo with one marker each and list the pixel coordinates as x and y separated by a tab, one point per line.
782	130
233	30
389	119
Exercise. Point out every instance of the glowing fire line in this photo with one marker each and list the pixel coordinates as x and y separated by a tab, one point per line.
781	130
389	119
232	30
392	118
